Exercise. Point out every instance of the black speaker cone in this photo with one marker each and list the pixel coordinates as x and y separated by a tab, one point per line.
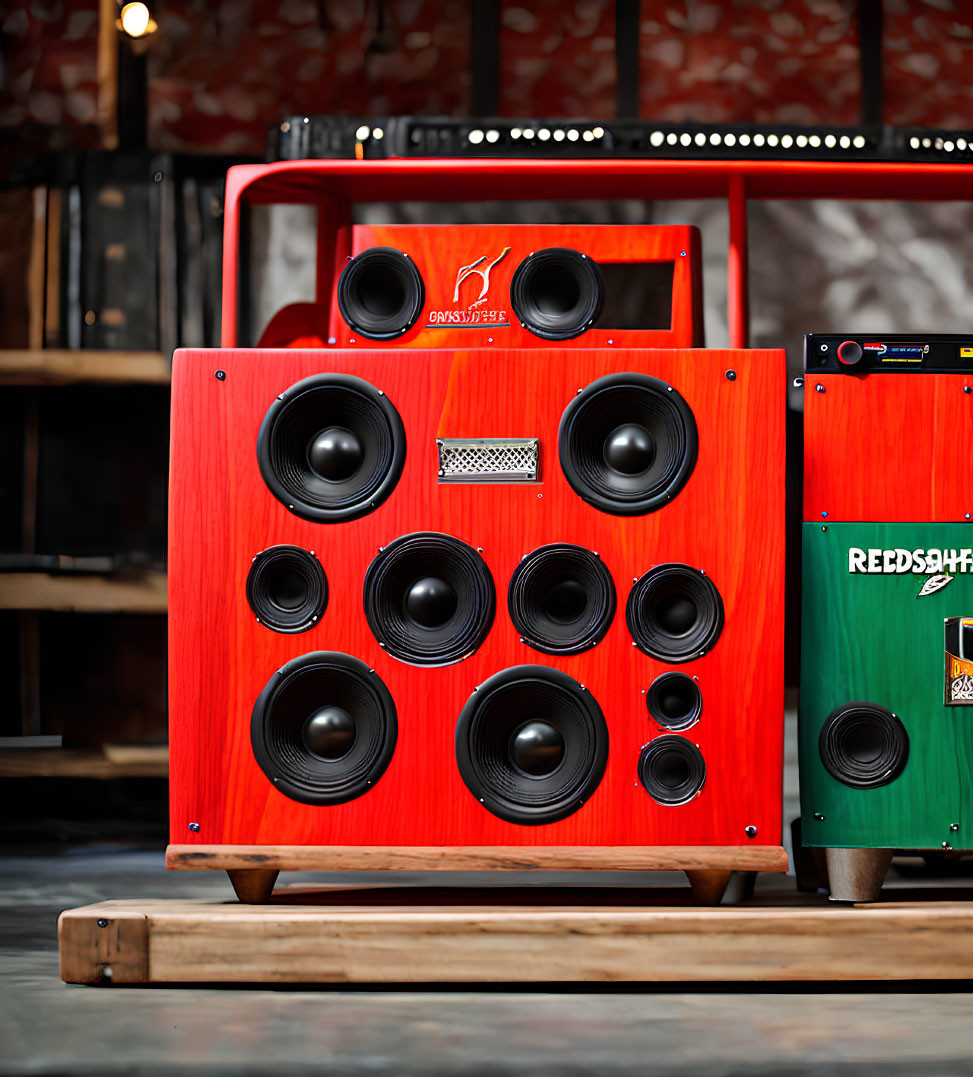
331	448
671	769
557	293
429	599
561	599
675	613
674	701
863	745
380	293
531	745
324	728
627	443
287	589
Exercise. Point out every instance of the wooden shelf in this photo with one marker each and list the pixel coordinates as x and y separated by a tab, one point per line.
55	366
122	761
143	592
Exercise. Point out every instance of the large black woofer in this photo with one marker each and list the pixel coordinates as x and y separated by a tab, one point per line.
674	613
561	599
863	745
674	701
324	728
627	443
380	293
331	448
557	293
429	599
531	745
671	769
287	589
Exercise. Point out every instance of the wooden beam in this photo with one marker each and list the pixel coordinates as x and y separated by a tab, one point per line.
107	111
143	592
138	761
62	366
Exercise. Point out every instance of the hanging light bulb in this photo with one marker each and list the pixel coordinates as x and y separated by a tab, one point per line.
136	21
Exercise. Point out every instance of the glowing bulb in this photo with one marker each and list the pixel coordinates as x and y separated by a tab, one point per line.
377	132
543	134
492	136
744	139
136	21
926	143
844	142
961	143
730	139
914	142
700	138
572	135
948	146
685	139
476	137
598	132
787	142
772	140
859	142
361	134
588	136
801	141
715	139
656	138
528	133
758	139
814	140
671	138
515	132
559	135
830	141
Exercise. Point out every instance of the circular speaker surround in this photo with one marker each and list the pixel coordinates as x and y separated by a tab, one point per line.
671	769
324	728
557	293
675	613
628	443
381	293
863	745
429	599
531	745
561	599
331	448
287	589
674	701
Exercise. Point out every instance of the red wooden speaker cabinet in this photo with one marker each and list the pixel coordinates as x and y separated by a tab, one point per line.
435	286
464	609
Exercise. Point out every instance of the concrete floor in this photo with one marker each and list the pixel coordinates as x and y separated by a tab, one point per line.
47	1027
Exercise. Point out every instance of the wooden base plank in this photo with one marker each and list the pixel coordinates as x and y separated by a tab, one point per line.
402	942
477	858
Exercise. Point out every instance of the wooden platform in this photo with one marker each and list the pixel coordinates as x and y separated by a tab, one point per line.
461	935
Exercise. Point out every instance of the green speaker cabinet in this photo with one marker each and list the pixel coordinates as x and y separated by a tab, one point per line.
886	714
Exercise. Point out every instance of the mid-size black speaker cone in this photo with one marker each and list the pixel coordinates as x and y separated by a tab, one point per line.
331	448
671	769
380	293
531	744
287	588
557	293
863	745
627	443
674	701
674	613
324	728
561	599
429	599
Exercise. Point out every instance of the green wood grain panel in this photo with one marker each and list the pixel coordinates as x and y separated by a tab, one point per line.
868	637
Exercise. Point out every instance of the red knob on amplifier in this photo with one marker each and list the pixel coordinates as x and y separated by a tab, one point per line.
849	352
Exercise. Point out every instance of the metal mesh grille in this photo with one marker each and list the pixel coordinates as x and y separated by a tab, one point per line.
488	460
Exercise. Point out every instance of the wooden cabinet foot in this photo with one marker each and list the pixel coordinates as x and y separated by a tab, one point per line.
857	874
253	886
708	885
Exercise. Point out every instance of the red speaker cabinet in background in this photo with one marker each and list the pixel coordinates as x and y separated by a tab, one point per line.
513	286
465	609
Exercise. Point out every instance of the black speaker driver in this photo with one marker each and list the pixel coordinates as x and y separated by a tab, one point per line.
380	293
863	745
675	613
531	745
674	701
429	599
671	769
557	293
287	589
561	599
627	443
331	448
324	728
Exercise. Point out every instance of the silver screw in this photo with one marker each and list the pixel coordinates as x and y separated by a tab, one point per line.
194	827
750	831
819	388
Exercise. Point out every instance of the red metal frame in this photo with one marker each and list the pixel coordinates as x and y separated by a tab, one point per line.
334	186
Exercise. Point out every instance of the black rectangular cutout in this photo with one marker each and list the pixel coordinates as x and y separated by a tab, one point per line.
638	295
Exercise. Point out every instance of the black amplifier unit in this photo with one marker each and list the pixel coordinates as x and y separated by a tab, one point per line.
319	137
858	353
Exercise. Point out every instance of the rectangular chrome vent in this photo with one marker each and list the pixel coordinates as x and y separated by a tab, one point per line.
489	459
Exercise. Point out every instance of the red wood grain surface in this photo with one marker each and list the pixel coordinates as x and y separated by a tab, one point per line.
440	251
728	520
888	447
